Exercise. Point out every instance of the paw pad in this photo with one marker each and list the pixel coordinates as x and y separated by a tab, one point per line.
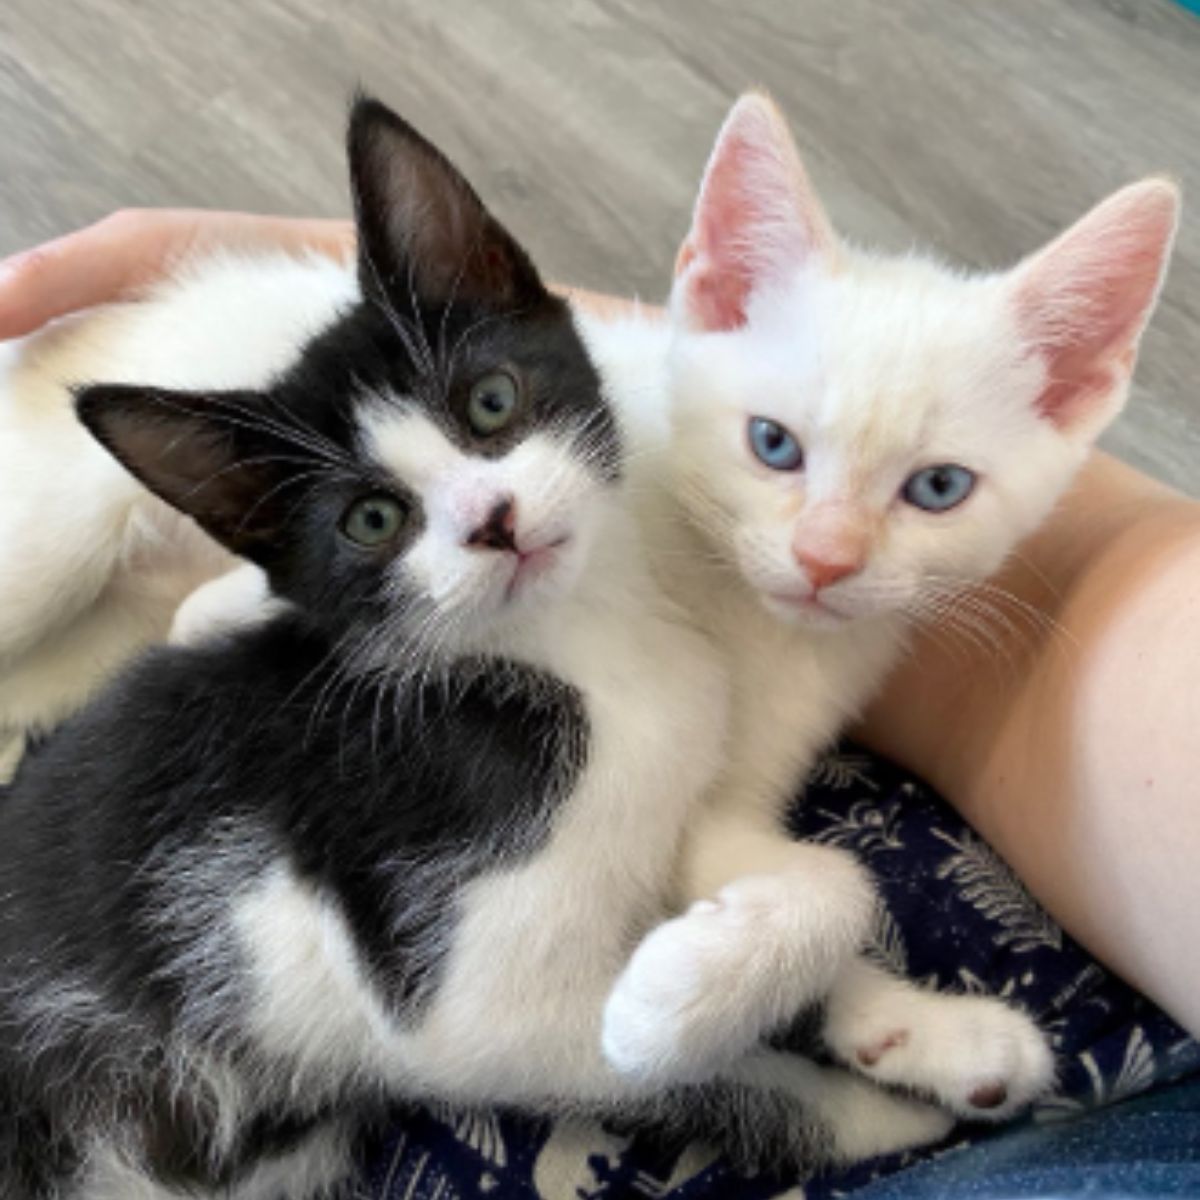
868	1056
988	1095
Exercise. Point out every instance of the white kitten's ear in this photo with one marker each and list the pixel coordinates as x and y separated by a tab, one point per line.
757	217
1083	302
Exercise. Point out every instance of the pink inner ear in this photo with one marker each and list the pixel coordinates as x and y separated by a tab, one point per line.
1085	299
716	298
756	217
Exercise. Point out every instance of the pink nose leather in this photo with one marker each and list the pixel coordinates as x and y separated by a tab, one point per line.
822	571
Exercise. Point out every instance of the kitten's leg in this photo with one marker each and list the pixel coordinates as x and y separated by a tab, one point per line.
778	1110
779	921
976	1055
321	1166
236	600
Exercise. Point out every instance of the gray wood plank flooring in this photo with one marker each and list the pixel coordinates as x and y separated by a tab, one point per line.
976	127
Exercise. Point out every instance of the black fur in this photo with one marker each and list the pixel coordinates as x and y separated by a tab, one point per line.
200	770
125	838
215	752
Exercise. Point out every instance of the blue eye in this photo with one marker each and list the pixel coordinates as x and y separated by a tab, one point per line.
936	489
774	446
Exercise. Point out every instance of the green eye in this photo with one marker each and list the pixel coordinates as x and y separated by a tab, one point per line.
374	520
492	403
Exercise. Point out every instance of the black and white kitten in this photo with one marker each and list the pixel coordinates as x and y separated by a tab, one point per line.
399	838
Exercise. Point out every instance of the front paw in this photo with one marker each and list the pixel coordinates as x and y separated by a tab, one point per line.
977	1056
240	599
703	989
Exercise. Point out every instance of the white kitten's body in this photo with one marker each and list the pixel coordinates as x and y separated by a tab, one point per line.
93	565
840	445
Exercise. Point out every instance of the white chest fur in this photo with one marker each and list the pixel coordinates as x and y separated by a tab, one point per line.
536	948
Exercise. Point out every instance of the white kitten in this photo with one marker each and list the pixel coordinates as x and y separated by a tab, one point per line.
834	446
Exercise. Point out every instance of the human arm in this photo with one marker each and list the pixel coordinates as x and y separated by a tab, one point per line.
1075	749
118	256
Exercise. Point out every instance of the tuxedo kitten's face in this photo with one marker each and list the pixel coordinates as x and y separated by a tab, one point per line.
864	436
436	463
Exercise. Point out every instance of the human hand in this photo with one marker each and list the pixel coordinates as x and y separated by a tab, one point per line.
124	253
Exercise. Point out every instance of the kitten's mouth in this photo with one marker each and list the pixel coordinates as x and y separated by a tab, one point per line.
808	604
532	563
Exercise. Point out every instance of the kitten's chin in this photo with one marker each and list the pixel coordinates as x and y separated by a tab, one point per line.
538	580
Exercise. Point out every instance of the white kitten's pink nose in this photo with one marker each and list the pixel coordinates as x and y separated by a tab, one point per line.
831	543
822	571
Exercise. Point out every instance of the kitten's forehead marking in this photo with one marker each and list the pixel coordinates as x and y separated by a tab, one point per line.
406	442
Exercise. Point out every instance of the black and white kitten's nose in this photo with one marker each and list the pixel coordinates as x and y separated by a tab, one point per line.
498	531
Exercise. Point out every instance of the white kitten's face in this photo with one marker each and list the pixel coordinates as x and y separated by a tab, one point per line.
878	373
862	435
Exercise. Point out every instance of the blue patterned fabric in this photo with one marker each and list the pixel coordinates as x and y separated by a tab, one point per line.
954	916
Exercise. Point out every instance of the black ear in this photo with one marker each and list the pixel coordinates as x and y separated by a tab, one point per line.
423	233
206	454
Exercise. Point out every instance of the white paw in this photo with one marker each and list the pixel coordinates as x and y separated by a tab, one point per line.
704	988
868	1122
237	600
977	1056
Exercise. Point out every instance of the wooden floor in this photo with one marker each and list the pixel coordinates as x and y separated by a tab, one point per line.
977	127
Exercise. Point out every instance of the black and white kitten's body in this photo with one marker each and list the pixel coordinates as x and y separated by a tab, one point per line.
399	838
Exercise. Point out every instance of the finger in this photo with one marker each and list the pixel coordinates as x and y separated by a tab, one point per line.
92	266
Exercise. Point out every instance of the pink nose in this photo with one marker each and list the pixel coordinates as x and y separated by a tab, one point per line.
823	570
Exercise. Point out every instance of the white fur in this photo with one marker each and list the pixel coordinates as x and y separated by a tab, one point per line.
879	367
517	1015
947	1047
701	989
312	1006
464	586
92	566
314	1169
866	1122
882	369
239	599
